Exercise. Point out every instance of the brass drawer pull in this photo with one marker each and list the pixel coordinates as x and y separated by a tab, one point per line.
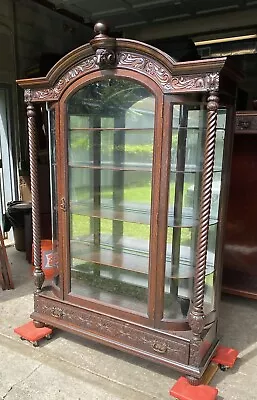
160	347
57	312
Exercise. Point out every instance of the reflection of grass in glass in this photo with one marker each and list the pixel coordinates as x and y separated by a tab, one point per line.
81	224
186	234
209	280
135	194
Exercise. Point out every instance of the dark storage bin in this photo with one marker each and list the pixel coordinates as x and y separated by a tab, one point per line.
18	216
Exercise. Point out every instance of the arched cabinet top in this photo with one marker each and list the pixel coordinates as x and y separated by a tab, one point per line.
171	76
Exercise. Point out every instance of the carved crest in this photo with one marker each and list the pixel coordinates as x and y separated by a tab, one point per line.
107	56
104	47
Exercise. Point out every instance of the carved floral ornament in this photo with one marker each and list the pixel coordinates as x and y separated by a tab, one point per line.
132	61
114	329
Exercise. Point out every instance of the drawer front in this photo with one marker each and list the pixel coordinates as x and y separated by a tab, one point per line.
114	330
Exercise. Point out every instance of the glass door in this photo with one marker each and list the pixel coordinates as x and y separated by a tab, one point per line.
110	156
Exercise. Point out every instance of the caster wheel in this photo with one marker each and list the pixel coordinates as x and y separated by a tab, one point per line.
22	338
223	367
35	344
48	337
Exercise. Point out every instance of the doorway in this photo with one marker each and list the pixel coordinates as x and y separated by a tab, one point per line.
8	176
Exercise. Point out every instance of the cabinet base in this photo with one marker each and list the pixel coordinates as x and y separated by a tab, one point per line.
168	348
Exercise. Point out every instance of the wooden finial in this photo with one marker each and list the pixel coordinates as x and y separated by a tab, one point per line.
100	29
104	47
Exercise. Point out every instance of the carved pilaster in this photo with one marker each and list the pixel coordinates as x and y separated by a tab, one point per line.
39	275
104	47
196	315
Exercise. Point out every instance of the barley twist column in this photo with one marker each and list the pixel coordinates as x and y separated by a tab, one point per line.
196	315
39	275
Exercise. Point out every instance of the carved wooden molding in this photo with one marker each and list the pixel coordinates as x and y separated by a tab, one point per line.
195	354
136	62
164	78
63	205
54	93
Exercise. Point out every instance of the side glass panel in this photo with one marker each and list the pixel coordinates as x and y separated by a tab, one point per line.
188	138
215	202
53	186
110	152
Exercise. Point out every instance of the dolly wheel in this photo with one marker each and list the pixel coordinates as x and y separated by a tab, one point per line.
35	344
48	337
223	367
22	338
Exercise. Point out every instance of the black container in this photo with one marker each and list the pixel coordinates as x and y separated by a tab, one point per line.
18	216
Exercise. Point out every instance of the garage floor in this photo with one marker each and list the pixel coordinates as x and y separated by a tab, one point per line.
68	367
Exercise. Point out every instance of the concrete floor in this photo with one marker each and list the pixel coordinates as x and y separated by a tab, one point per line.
68	367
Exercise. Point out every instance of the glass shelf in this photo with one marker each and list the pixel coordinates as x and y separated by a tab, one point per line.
139	166
195	129
111	167
111	129
134	258
133	212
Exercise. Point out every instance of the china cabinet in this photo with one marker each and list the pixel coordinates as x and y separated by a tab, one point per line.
140	155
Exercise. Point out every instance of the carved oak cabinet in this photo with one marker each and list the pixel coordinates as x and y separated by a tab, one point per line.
139	156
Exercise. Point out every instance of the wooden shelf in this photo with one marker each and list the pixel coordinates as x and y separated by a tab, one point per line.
135	258
137	213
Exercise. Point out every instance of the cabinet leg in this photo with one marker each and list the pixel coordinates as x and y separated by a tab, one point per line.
38	324
193	381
